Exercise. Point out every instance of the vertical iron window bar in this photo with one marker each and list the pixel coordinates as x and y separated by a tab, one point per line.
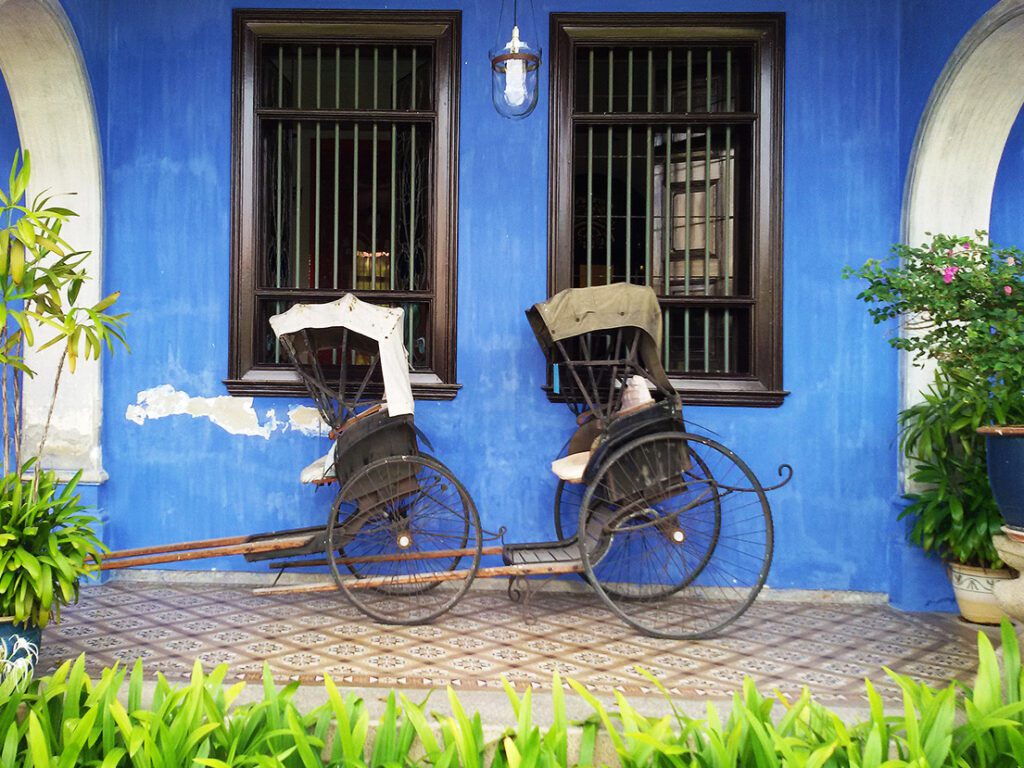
279	186
373	183
629	168
707	215
412	213
392	246
590	172
649	187
608	176
316	185
688	232
666	220
726	263
355	175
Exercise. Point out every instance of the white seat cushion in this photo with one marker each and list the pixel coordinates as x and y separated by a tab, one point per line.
570	468
321	470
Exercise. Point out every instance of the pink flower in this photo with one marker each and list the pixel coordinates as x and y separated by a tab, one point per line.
1007	289
949	273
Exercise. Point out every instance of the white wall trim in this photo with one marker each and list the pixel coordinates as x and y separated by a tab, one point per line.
42	63
960	142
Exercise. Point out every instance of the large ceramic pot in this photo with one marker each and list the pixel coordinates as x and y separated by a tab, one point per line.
972	588
10	632
1004	447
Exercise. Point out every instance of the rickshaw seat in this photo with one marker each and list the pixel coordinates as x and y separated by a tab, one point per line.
570	468
320	471
627	425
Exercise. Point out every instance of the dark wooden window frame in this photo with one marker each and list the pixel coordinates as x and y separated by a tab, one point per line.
440	29
763	388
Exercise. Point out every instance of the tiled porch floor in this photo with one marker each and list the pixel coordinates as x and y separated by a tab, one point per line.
828	646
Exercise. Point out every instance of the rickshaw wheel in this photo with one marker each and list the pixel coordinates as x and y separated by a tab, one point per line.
404	539
676	552
567	509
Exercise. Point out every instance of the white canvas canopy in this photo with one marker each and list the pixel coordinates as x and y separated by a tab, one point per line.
380	324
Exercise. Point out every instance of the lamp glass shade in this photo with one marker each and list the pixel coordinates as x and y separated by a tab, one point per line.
514	71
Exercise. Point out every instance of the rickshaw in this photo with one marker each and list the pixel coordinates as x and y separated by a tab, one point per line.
671	529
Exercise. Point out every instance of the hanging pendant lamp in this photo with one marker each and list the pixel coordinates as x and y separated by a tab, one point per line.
514	68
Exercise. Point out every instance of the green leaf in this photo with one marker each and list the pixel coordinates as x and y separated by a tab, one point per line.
39	750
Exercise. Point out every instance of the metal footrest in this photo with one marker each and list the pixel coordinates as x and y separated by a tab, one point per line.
542	553
298	542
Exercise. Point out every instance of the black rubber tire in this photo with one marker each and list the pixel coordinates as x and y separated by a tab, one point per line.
639	499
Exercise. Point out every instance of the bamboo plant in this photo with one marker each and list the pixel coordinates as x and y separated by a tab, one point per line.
41	277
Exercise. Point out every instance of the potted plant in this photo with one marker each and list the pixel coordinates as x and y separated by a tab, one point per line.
46	539
960	303
952	510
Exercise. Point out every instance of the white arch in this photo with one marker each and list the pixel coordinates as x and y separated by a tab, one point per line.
45	72
960	140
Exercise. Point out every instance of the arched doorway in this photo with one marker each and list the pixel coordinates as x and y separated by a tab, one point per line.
50	92
960	140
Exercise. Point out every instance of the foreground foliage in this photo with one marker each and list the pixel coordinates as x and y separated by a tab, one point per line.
69	720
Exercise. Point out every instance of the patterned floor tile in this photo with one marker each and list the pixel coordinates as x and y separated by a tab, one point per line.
781	645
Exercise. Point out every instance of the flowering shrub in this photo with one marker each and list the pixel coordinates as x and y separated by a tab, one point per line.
959	302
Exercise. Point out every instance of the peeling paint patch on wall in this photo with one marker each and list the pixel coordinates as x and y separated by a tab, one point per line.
306	419
232	414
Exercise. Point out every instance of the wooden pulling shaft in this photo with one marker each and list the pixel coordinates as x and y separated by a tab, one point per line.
237	547
179	547
434	555
369	582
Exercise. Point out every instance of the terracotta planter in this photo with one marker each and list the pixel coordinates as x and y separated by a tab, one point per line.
1004	448
972	588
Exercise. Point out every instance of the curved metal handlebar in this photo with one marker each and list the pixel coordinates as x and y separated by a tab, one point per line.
783	469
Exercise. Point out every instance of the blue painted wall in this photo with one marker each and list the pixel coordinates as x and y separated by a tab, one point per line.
1007	227
164	69
8	132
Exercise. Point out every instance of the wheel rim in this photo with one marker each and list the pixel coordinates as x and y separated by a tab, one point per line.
676	554
567	509
393	518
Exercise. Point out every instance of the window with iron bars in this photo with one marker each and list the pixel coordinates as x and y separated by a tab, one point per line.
345	139
666	170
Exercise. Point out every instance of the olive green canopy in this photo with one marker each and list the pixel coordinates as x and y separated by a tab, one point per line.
576	311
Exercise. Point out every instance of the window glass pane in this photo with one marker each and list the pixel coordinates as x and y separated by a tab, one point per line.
707	340
346	205
629	79
311	76
622	200
416	337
